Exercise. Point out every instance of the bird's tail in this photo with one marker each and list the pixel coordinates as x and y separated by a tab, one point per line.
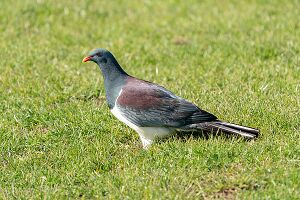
234	128
225	127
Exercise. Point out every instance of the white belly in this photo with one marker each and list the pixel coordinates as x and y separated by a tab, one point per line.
147	134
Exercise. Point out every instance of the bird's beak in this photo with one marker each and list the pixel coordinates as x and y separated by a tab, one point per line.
88	58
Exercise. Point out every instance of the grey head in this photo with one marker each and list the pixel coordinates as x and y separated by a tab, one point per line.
114	76
105	60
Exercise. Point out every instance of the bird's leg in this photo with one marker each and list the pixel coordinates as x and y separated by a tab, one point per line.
146	142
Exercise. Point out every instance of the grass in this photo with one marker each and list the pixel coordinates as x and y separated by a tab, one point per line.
236	59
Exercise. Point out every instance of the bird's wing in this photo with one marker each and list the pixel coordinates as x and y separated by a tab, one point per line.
149	105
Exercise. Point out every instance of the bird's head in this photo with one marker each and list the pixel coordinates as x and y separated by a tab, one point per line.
99	56
106	61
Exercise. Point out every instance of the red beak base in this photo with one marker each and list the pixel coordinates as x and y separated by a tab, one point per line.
88	58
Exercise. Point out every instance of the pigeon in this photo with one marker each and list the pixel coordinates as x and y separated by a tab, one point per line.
152	110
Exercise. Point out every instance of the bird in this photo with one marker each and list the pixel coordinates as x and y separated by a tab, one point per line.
153	111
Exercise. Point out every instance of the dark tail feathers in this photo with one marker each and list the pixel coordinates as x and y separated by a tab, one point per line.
225	127
233	128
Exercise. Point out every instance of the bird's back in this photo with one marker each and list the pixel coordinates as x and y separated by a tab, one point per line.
150	105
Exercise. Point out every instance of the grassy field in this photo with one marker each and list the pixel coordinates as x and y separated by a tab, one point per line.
236	59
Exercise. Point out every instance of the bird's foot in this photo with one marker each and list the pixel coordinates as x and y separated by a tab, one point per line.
146	142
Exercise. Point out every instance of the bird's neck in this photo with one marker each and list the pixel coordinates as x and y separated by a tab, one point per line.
114	79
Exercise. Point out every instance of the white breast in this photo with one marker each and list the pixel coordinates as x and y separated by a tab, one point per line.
116	112
147	134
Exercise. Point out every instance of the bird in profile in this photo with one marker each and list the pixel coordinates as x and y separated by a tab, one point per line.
152	110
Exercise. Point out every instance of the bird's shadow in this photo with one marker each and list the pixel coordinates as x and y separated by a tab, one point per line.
204	135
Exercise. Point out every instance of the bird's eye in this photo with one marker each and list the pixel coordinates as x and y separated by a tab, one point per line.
99	54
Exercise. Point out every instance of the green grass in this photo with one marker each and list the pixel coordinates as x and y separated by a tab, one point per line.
236	59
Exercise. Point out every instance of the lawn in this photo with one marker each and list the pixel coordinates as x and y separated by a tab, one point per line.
237	59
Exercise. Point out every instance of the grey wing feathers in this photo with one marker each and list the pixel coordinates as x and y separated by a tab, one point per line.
171	112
